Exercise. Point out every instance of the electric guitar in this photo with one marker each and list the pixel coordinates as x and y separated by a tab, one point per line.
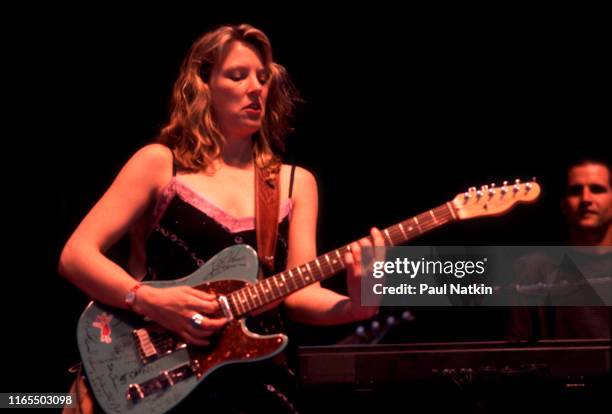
135	366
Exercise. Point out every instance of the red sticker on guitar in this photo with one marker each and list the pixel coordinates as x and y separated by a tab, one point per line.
103	324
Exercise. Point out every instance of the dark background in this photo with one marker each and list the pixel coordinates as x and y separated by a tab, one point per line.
402	111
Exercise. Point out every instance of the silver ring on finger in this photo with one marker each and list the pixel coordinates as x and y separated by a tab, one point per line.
197	320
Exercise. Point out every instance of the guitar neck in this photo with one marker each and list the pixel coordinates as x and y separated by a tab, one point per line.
264	292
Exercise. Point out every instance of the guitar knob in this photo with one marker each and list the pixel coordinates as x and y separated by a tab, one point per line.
479	193
390	320
407	316
528	186
375	325
360	330
517	181
505	183
491	192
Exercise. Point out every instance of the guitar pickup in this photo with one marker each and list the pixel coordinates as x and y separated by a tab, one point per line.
164	380
151	346
145	346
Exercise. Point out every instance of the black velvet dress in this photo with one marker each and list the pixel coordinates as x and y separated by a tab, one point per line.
187	231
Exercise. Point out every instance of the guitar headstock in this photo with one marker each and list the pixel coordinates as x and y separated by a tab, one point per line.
493	200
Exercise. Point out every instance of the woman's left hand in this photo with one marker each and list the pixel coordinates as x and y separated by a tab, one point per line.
355	271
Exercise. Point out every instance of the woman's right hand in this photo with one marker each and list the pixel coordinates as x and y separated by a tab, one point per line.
174	307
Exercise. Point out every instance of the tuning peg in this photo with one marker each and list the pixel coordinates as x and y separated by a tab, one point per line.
479	193
360	330
375	325
467	196
533	179
491	192
528	186
390	320
472	189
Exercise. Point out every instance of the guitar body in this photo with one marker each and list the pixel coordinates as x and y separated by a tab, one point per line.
120	348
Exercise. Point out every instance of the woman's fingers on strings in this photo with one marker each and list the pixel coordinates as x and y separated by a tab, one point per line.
377	237
379	244
353	260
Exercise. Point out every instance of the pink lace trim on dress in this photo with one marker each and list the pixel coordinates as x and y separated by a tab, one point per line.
231	223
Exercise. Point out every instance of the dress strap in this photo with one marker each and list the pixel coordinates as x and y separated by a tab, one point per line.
291	180
174	164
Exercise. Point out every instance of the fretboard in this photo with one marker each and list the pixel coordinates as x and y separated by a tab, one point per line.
264	292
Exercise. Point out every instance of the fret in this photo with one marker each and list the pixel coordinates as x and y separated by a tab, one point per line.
280	292
337	251
254	295
260	293
297	281
319	266
300	273
248	306
401	226
285	277
273	291
416	221
292	278
267	290
309	275
386	232
284	282
236	303
242	305
329	263
433	216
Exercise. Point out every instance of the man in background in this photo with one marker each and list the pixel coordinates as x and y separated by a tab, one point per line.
587	207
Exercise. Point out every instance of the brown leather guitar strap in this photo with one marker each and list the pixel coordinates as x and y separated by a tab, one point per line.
267	202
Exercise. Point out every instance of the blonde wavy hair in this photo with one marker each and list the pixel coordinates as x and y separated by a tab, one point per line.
192	132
